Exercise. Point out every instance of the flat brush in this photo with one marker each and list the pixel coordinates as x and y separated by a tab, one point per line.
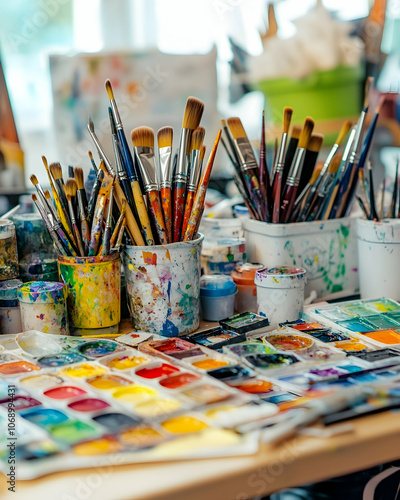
247	162
191	119
70	188
164	140
105	243
143	142
291	150
71	173
292	183
363	207
198	204
50	227
279	166
99	147
82	204
118	225
265	187
99	215
310	159
373	215
196	144
47	203
325	188
56	172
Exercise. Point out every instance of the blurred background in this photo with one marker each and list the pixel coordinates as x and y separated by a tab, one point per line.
238	56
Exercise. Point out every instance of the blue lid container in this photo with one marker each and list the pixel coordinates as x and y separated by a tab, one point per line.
217	285
9	293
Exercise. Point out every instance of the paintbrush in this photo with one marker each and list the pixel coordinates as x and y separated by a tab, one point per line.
56	172
81	194
50	227
53	187
71	173
200	172
74	203
67	242
92	162
99	147
196	144
310	159
143	142
105	243
164	140
248	163
70	188
292	183
381	214
324	188
120	236
301	199
47	204
373	215
279	166
363	207
121	173
265	187
198	204
363	194
98	215
191	119
118	224
290	152
232	149
94	194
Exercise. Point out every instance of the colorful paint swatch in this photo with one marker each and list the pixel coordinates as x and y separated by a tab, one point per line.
183	424
108	382
206	393
170	346
134	394
16	367
255	387
357	310
61	359
180	380
227	373
381	321
99	348
333	313
141	437
384	336
306	326
157	407
289	342
126	362
83	370
157	371
73	431
42	382
357	325
102	446
64	392
328	335
268	361
351	346
21	402
383	305
210	363
45	416
88	404
115	422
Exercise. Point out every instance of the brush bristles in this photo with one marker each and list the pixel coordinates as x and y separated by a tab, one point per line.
47	194
90	155
46	165
109	89
315	143
91	124
287	116
223	123
335	163
316	172
306	133
296	132
193	112
143	137
56	170
34	197
343	132
78	172
70	187
198	138
164	137
69	198
361	174
368	86
236	128
34	180
202	152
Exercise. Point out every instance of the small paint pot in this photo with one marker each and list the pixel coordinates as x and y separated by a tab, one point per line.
220	256
163	287
94	292
280	293
217	296
38	267
32	236
378	258
43	307
8	251
241	212
10	312
243	275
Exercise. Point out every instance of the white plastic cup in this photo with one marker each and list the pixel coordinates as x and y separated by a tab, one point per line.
280	293
379	258
216	228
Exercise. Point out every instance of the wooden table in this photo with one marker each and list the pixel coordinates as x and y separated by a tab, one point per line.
296	461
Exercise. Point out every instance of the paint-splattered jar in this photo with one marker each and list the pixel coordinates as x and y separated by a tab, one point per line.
280	293
43	307
217	296
94	293
10	313
8	251
221	256
163	285
243	275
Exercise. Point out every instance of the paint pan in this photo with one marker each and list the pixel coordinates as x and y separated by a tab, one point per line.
179	380
215	338
297	343
88	405
206	394
73	431
163	287
45	416
8	251
134	394
385	337
41	382
116	422
56	360
381	356
230	373
357	325
352	346
141	437
108	382
64	392
17	367
327	336
36	344
43	307
99	348
183	424
21	402
158	407
271	361
94	291
383	305
10	313
333	313
83	370
125	361
177	348
246	322
357	309
156	370
381	321
101	446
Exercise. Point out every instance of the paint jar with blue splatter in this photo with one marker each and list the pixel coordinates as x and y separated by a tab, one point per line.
94	293
217	297
220	256
8	251
44	307
280	293
10	313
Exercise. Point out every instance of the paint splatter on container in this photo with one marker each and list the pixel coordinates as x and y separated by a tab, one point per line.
38	267
280	293
220	256
94	292
43	307
10	313
32	235
163	285
8	251
325	249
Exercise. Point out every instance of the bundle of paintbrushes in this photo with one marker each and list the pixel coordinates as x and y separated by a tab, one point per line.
298	188
80	228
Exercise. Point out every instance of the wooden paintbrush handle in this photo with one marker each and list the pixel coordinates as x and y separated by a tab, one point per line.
132	227
142	212
188	211
156	212
167	210
179	203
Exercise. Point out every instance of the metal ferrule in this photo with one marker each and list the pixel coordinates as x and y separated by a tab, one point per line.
120	169
357	137
103	155
110	207
181	172
329	158
194	170
245	153
280	160
326	185
145	157
165	171
115	112
294	174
